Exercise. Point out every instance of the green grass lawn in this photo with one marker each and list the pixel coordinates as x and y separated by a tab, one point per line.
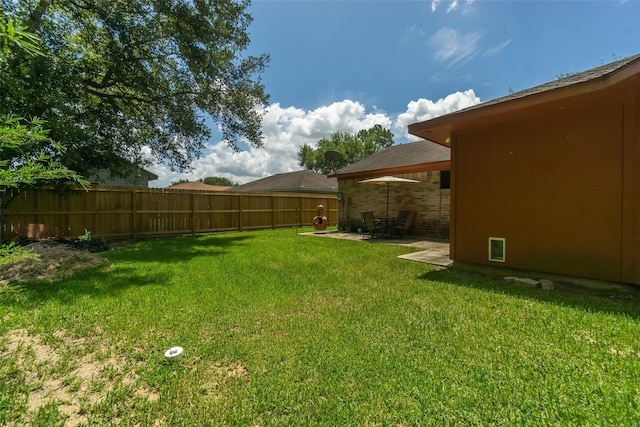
283	329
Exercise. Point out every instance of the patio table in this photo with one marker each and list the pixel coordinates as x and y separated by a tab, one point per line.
389	221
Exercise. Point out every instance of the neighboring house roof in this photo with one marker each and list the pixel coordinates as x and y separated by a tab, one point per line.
420	156
300	181
137	177
197	185
440	128
150	175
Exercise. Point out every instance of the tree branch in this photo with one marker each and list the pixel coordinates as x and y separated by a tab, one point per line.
121	96
35	18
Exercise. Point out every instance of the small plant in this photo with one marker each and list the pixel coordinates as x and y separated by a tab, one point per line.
86	236
12	253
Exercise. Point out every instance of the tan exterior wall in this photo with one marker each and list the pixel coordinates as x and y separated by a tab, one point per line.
426	198
551	185
631	190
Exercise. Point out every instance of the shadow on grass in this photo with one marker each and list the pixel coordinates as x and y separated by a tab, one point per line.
604	301
98	282
106	281
176	249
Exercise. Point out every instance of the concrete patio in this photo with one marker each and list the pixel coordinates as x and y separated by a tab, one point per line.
435	252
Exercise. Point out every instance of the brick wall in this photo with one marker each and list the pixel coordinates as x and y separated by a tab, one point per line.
426	198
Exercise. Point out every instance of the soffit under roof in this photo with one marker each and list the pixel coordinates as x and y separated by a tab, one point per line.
605	76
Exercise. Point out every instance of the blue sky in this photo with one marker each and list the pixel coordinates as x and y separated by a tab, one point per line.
343	66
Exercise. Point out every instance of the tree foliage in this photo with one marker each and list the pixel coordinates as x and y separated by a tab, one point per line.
352	148
210	180
15	37
218	180
117	76
28	156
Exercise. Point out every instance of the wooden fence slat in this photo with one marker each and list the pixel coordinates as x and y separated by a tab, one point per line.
120	212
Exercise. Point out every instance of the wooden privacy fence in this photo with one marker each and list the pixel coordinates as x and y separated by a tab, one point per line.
123	212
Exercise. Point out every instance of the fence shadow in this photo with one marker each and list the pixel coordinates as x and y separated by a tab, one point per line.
69	290
178	249
107	281
604	301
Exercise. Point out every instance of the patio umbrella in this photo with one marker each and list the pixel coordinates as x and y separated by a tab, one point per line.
386	180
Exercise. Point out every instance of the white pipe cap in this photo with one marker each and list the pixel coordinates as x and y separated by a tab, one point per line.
173	352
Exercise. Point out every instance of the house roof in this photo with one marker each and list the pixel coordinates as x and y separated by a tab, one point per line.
299	181
420	156
150	175
197	185
440	128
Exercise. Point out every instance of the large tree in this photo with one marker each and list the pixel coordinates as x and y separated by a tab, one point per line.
28	157
351	147
120	75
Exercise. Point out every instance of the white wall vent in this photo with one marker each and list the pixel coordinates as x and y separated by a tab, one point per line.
497	249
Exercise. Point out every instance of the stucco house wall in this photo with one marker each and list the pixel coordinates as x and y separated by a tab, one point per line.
554	171
558	212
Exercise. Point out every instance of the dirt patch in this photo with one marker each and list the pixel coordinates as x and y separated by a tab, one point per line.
57	260
215	376
71	384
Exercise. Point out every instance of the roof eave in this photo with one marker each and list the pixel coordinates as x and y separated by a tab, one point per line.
440	129
399	170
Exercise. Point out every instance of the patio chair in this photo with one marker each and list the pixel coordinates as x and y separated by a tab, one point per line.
402	217
369	224
407	225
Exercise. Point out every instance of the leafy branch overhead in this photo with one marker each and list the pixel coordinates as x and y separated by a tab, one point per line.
14	37
351	147
120	76
28	156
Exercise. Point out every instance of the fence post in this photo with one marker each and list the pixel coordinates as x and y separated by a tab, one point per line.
300	211
193	214
239	212
133	213
67	217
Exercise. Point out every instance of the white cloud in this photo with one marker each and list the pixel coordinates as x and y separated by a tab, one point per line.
425	109
285	130
412	31
453	6
454	47
467	6
492	51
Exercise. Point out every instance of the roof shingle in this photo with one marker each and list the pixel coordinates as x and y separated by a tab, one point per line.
413	153
572	79
300	181
197	185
